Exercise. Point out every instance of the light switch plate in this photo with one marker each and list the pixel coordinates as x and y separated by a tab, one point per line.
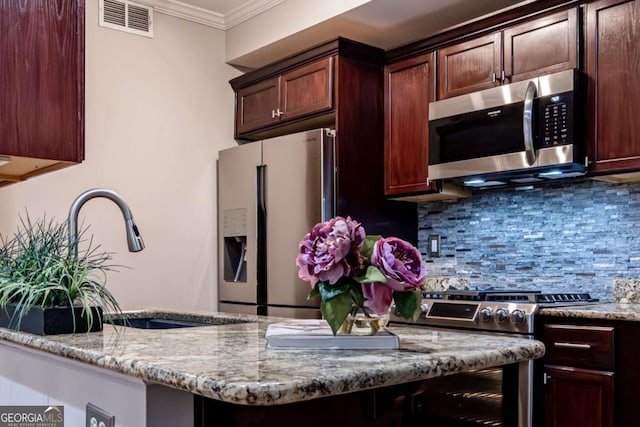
433	247
97	417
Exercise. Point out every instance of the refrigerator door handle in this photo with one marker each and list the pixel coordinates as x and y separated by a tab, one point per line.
328	175
261	252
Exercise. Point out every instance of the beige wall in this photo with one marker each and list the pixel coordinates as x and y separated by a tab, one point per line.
277	25
157	112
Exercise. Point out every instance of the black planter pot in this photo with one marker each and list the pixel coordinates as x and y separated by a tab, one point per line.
51	320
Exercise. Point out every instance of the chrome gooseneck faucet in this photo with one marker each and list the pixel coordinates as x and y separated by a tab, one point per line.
133	236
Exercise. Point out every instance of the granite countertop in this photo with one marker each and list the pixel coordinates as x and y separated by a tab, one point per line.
603	311
230	362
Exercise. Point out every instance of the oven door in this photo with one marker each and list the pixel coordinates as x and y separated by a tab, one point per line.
494	397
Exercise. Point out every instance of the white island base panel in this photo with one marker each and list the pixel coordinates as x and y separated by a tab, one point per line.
29	377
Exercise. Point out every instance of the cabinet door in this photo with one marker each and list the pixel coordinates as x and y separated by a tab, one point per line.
408	91
469	66
42	79
613	64
578	397
542	46
257	105
307	90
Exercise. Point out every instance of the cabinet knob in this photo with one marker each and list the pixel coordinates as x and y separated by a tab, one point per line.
276	113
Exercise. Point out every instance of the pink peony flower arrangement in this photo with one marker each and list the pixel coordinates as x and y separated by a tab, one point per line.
351	271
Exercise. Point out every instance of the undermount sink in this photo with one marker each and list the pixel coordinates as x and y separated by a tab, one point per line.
155	323
168	323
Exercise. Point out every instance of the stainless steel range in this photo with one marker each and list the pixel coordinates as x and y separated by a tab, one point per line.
486	397
495	310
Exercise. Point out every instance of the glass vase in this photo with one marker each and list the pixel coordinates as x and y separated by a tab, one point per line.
364	322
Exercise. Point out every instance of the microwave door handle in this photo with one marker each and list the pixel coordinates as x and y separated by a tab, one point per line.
527	125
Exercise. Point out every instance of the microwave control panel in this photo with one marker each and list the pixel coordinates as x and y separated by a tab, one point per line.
556	120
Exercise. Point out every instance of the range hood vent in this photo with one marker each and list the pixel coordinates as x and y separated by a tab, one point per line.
125	15
520	178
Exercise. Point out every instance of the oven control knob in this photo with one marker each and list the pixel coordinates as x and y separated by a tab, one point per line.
502	315
394	310
518	317
424	309
486	314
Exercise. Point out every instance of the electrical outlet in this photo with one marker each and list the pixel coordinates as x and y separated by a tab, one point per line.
97	417
433	245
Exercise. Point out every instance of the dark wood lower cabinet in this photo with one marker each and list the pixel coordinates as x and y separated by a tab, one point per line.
578	397
487	397
589	374
371	408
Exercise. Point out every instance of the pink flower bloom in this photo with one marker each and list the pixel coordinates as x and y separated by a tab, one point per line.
378	297
401	263
326	250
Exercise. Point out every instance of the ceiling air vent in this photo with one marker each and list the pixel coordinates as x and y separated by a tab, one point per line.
125	15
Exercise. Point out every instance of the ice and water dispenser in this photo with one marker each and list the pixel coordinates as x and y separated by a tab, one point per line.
234	233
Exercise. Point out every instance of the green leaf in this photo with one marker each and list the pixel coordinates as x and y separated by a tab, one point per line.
367	246
408	303
313	293
356	295
328	291
336	310
372	275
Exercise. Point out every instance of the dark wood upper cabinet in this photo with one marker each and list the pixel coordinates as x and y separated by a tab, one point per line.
409	87
42	86
339	85
469	66
542	46
308	89
303	91
256	105
613	64
535	47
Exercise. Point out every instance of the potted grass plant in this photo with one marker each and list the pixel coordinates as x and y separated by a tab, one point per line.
45	288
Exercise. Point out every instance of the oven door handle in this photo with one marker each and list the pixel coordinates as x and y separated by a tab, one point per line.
527	123
572	345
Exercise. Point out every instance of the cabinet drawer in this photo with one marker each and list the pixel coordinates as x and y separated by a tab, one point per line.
580	346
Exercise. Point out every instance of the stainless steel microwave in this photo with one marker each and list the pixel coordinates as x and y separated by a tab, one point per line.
519	133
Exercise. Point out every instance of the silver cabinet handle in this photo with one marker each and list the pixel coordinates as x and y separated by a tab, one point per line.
276	113
572	345
527	126
493	78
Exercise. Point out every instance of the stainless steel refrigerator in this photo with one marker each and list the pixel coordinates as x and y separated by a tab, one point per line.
270	194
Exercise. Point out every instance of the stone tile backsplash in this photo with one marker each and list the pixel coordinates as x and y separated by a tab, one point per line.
565	237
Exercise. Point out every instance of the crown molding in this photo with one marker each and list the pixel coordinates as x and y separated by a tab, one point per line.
207	17
247	11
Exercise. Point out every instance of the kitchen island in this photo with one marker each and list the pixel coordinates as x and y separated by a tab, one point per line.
229	364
